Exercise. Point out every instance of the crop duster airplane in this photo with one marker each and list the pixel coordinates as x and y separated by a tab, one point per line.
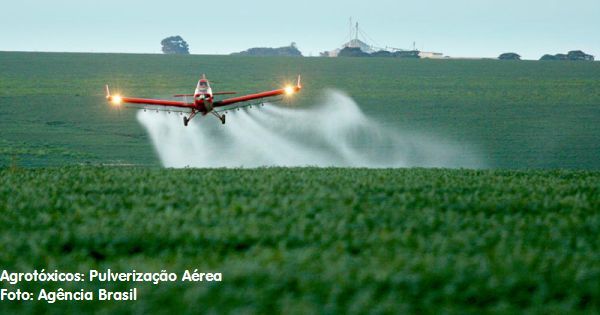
204	100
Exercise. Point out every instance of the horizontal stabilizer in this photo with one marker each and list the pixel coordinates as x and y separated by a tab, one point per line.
224	93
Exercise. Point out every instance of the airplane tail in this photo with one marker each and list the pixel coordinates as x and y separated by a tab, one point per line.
298	84
107	91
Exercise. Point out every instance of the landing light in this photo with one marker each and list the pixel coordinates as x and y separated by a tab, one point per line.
289	90
117	99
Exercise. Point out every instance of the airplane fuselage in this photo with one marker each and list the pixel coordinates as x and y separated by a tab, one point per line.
203	97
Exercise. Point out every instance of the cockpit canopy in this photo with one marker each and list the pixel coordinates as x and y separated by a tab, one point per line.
202	85
203	89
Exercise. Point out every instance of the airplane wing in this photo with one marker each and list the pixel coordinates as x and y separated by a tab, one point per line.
285	91
118	100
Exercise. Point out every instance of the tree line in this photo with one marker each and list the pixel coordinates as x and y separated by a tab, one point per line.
574	55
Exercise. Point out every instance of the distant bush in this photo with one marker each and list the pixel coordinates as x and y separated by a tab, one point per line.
407	54
509	56
382	53
290	50
352	52
357	52
548	57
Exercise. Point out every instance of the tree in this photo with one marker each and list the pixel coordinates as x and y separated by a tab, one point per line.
561	57
175	45
579	55
509	56
291	50
572	55
548	57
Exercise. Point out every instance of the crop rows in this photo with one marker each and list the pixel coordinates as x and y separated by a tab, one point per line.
314	240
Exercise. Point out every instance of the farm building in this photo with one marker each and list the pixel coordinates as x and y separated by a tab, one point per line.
430	55
356	47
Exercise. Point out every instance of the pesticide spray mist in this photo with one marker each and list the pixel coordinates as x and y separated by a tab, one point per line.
333	133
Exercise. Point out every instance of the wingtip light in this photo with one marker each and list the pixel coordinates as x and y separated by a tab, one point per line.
289	90
116	100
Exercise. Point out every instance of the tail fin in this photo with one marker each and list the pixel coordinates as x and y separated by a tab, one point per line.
298	84
107	91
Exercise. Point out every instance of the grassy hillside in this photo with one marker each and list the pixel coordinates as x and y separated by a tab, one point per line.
305	240
518	114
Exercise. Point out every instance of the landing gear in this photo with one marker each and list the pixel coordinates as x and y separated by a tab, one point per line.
221	117
186	120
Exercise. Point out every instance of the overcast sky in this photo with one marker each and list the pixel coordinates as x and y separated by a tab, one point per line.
461	28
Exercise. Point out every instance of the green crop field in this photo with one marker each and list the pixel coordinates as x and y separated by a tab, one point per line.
520	236
307	240
516	114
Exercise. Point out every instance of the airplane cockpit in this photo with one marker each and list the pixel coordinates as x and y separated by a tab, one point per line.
202	85
203	91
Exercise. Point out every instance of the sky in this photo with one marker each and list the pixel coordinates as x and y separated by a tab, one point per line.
459	28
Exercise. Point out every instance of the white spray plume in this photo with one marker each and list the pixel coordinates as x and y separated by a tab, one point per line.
334	133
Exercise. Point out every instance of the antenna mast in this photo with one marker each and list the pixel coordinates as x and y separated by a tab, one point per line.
350	29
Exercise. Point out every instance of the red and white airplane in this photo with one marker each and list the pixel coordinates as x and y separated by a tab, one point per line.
204	100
